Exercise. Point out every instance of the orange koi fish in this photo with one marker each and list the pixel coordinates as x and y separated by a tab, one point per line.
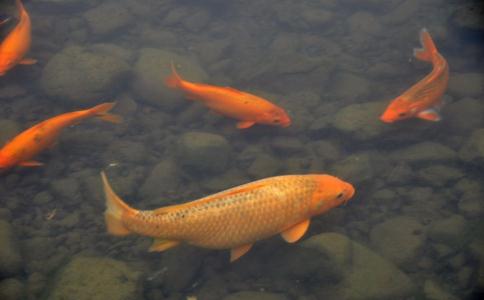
424	99
247	108
14	47
235	218
26	145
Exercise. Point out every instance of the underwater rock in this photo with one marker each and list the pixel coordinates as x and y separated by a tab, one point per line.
469	17
10	260
361	120
12	289
355	168
451	231
326	150
350	86
251	295
367	276
466	84
439	175
203	152
398	239
125	151
464	115
433	291
404	11
473	148
66	190
95	278
107	17
182	267
424	152
316	17
83	77
163	178
470	204
153	67
264	165
9	130
286	145
364	22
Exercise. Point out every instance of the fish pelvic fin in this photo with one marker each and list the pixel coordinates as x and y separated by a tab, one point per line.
428	50
174	80
101	111
116	210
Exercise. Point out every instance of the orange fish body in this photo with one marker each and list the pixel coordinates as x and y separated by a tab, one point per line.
424	99
235	218
17	43
247	108
20	150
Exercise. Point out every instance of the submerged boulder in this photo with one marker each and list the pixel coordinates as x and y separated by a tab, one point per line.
203	152
10	259
361	120
95	278
153	67
473	148
367	275
82	75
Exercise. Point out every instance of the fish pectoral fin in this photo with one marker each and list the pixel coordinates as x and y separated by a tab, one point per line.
245	124
430	114
296	232
236	253
162	245
28	61
30	163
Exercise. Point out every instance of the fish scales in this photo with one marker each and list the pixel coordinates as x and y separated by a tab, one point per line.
222	221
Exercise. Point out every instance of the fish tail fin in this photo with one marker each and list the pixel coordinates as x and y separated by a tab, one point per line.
101	111
174	80
428	50
116	210
20	6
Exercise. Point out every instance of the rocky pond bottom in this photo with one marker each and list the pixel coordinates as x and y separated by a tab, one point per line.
412	231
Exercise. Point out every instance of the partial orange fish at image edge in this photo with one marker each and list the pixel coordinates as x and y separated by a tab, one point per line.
235	218
424	99
247	108
25	146
17	43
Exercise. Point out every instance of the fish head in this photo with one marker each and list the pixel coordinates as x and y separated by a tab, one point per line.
399	109
330	192
276	117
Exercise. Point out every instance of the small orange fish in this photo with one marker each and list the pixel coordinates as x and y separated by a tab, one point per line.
17	43
235	218
424	99
247	108
20	150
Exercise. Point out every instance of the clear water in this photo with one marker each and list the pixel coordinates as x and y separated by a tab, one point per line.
333	65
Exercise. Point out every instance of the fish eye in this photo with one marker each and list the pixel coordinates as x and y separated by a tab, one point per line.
340	195
276	120
402	114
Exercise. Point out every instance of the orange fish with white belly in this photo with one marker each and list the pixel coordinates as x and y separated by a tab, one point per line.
235	218
247	108
17	43
424	99
20	150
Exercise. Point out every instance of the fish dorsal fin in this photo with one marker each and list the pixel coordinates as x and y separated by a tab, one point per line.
234	90
230	192
296	232
236	253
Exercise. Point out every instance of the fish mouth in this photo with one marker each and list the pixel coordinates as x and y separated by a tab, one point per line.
350	192
386	119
